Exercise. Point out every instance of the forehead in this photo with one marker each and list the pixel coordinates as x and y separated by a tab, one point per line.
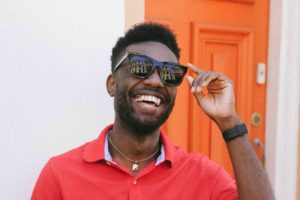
155	50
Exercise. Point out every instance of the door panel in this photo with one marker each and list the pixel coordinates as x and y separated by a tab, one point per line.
226	36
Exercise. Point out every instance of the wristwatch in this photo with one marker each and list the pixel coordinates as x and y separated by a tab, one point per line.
234	132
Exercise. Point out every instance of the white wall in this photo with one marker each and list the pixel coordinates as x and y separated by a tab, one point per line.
54	60
283	96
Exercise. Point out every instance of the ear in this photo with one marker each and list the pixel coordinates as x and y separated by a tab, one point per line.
111	85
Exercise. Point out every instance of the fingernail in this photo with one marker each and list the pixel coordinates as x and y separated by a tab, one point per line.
190	79
198	90
193	89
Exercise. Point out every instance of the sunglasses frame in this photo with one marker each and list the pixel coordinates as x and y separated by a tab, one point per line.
156	64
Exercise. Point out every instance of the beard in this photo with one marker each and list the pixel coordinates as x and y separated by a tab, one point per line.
131	120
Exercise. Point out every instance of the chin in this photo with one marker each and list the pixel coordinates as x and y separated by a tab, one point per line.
143	126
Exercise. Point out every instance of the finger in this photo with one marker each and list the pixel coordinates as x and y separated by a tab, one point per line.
196	83
190	80
204	79
211	77
215	76
194	68
193	89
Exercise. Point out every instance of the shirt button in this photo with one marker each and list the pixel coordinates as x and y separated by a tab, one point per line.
134	181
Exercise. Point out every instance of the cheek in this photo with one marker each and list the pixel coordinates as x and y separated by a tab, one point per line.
125	82
124	87
172	91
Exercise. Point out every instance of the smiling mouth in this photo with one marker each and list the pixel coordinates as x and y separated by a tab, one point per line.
149	99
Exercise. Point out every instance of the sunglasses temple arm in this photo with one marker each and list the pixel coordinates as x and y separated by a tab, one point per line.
120	62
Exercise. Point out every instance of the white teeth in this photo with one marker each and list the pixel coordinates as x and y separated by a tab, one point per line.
149	98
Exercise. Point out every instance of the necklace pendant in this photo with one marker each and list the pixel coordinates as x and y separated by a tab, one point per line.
135	167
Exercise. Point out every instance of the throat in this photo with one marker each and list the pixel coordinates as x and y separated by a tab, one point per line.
135	159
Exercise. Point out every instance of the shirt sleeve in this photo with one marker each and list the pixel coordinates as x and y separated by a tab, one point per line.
47	186
224	187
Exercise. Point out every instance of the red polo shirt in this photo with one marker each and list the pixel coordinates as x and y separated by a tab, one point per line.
86	173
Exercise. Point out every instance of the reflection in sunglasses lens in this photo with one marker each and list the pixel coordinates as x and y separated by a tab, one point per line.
142	67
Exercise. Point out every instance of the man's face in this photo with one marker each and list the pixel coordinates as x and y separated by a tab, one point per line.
144	104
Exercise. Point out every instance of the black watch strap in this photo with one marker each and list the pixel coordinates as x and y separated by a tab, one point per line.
234	132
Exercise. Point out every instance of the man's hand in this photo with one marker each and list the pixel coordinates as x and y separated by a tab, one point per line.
219	101
219	104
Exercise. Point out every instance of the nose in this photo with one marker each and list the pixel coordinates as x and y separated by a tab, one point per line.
154	80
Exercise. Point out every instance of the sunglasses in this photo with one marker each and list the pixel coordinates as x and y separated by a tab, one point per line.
141	66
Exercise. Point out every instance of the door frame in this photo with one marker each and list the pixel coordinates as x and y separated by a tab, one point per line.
282	114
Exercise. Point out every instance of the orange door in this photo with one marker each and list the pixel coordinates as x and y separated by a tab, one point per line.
227	36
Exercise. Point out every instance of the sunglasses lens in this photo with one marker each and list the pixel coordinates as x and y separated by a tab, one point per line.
140	66
172	74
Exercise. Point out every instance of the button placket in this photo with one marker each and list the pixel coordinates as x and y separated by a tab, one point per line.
133	189
134	182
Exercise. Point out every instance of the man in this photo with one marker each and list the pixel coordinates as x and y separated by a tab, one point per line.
133	158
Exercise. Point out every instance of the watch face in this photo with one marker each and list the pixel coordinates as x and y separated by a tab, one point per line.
241	129
234	132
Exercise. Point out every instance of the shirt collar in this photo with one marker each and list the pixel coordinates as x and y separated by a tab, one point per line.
97	149
108	157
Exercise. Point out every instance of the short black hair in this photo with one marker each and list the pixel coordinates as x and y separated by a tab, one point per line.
145	32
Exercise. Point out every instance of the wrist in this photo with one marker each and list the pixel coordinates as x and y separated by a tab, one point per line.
234	132
228	122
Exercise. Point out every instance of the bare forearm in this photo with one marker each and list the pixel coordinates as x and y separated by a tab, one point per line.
251	178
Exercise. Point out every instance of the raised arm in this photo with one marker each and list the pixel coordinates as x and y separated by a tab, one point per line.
219	104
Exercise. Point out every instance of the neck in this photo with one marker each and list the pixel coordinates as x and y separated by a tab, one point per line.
133	145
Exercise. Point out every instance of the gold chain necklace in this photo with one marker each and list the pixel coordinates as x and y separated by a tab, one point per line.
135	165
